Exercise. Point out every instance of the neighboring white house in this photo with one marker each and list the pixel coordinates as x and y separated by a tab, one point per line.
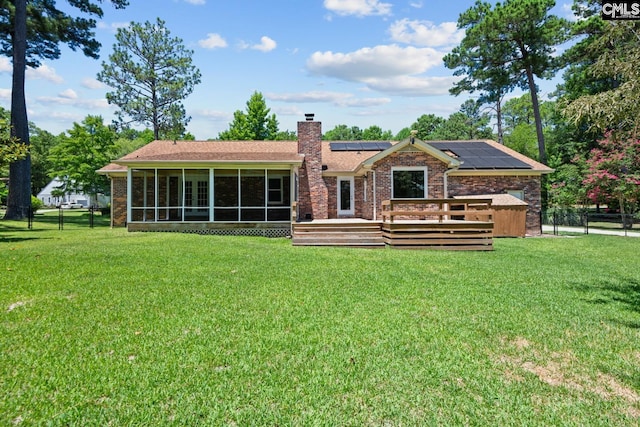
48	199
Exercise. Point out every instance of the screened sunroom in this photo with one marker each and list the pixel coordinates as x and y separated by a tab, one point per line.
222	195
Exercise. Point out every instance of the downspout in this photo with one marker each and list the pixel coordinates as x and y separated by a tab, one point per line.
375	198
445	180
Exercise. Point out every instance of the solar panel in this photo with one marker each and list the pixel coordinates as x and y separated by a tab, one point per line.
480	155
359	146
338	146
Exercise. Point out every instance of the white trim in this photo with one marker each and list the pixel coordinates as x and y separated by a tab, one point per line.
129	193
351	210
424	169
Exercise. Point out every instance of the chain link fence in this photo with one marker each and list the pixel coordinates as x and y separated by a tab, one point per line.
588	219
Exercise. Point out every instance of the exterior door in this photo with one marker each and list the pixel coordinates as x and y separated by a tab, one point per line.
345	196
196	198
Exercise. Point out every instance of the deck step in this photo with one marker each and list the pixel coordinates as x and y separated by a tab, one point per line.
365	235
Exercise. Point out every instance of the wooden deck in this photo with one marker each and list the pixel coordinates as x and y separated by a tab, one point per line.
449	224
346	232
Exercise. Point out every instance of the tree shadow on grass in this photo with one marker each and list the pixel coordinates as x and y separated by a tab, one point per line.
11	233
625	291
19	231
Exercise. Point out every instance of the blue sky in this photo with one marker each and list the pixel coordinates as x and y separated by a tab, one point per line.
353	62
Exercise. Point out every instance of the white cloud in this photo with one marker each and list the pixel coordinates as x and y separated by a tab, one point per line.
68	94
416	4
219	116
90	83
389	69
44	72
288	111
5	94
64	99
339	99
196	2
312	96
425	33
413	85
112	27
364	102
5	65
266	44
358	8
213	41
378	62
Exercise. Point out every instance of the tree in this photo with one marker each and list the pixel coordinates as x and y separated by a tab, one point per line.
151	74
516	39
616	108
88	147
11	148
427	125
286	135
520	124
613	172
40	147
403	134
375	133
481	65
30	31
468	123
580	56
129	140
354	133
254	125
339	133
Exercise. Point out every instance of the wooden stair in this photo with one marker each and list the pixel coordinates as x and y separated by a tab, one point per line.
365	234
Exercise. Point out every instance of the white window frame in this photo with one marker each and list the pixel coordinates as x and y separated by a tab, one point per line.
350	211
424	169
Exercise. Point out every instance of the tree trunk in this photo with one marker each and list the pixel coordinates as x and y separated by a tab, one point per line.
499	120
536	114
19	199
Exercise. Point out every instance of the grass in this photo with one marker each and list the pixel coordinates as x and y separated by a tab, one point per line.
101	326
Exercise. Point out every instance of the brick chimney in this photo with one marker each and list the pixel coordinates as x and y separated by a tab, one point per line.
312	195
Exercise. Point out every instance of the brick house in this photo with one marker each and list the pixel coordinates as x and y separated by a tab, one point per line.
262	187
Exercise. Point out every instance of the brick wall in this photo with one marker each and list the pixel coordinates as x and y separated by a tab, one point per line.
364	195
118	201
312	193
474	185
383	168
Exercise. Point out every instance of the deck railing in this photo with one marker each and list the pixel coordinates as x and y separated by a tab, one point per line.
437	210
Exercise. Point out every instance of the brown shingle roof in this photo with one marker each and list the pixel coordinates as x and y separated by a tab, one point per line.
211	151
343	161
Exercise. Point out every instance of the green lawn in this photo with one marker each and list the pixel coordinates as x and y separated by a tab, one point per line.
101	326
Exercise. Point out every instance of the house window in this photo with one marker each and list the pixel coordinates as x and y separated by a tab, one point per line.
516	193
275	191
409	183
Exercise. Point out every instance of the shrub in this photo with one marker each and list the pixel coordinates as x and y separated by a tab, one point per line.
36	204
